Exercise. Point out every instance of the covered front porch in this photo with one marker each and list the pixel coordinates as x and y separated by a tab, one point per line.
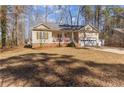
64	37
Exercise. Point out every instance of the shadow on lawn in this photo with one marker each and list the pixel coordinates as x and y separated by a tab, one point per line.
43	69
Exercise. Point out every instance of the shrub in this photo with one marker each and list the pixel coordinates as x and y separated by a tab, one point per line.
71	44
28	46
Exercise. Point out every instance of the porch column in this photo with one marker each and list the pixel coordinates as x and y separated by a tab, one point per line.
72	36
63	36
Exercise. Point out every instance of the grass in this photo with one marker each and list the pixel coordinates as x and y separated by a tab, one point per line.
61	67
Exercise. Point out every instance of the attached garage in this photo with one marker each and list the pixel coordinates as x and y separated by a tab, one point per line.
88	36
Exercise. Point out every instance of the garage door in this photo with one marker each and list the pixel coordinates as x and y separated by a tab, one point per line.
88	43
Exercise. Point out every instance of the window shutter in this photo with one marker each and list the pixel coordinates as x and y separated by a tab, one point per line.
46	35
43	35
37	35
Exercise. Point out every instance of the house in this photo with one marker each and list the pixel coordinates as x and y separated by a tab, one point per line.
61	35
116	37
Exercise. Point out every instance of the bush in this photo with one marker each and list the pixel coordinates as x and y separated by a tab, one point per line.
71	44
28	46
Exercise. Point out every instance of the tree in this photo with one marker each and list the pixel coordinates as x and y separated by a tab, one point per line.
97	16
87	13
3	25
19	35
107	18
117	12
70	15
46	13
78	15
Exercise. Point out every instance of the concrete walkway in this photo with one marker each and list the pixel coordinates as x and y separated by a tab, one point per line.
110	49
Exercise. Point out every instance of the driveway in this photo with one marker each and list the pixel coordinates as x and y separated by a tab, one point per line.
110	49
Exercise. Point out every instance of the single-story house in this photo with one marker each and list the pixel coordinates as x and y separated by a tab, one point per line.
61	35
116	37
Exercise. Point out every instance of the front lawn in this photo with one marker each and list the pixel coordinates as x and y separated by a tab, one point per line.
61	67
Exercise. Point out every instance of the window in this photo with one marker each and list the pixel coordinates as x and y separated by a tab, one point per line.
45	35
42	35
38	35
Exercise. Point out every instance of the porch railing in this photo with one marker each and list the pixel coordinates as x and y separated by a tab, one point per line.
66	40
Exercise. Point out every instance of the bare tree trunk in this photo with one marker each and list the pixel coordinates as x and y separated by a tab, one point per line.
46	14
18	11
16	30
78	16
12	39
3	25
97	16
21	38
70	17
99	10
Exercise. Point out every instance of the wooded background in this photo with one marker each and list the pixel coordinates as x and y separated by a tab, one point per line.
16	21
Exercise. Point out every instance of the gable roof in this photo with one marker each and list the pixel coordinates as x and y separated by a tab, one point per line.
64	27
41	25
95	30
47	26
